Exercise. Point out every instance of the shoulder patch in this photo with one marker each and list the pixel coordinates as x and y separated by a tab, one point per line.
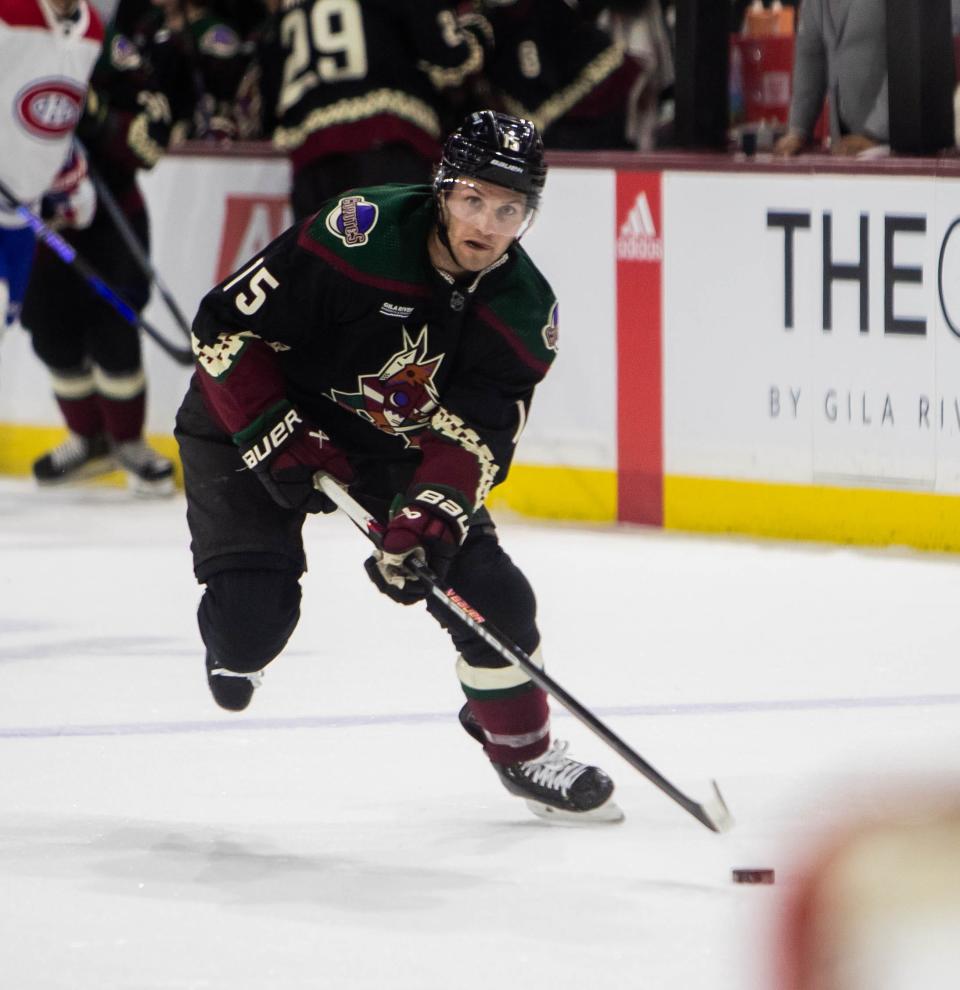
352	220
551	330
220	41
124	54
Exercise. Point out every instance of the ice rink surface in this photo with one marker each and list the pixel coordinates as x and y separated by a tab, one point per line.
345	833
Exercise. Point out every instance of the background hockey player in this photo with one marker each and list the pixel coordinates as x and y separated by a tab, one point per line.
199	59
357	93
92	353
394	342
553	63
47	49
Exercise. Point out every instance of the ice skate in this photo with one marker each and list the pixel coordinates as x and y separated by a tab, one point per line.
231	690
76	459
554	785
148	474
557	787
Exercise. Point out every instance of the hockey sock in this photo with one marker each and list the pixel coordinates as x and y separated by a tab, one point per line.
122	400
75	392
510	709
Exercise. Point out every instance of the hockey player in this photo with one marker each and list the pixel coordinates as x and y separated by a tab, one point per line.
355	92
93	355
47	49
393	342
553	64
199	60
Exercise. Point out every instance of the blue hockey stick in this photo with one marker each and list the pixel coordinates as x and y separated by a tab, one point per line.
68	255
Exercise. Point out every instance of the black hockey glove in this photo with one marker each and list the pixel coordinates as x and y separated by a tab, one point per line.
420	529
286	451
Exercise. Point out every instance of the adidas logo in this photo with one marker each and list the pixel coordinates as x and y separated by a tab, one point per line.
638	239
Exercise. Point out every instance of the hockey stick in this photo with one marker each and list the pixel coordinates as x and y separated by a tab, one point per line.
713	813
67	254
136	249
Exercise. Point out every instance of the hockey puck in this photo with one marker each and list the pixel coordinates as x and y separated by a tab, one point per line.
753	876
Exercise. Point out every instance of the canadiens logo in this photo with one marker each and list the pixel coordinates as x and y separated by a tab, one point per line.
551	332
352	219
50	108
401	397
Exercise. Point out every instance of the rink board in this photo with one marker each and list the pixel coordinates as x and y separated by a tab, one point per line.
768	352
810	385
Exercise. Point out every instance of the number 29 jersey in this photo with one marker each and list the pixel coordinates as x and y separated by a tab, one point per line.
335	72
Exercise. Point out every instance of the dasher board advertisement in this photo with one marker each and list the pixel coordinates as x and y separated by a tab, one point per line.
812	329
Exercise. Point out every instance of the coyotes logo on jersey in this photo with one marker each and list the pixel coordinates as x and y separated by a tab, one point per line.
401	397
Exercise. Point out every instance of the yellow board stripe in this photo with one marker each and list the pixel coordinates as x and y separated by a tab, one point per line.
548	492
813	512
21	445
710	505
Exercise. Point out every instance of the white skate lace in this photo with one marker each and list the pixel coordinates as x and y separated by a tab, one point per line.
73	450
136	454
554	769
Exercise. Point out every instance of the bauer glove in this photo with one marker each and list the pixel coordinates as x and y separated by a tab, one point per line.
421	529
285	451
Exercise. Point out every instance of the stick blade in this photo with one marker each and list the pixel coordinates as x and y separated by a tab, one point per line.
716	814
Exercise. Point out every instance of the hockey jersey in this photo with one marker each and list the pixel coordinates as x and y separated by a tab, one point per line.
46	62
344	316
553	65
355	75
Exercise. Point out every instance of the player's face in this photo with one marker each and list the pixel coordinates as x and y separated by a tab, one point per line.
482	221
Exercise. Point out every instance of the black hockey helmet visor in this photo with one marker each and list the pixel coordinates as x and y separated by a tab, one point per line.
502	150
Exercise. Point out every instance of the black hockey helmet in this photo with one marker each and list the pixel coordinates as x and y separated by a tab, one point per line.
498	148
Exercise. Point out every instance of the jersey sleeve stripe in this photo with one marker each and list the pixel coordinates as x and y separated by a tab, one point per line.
510	336
22	13
355	274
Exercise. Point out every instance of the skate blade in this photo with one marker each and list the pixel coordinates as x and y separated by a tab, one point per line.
609	813
92	469
161	488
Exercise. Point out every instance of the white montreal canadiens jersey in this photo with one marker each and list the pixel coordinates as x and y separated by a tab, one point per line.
44	67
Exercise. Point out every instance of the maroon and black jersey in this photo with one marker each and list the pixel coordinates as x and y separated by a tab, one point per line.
127	121
199	67
350	76
345	316
553	65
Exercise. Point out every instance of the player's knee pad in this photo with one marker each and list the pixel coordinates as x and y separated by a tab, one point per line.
486	577
247	616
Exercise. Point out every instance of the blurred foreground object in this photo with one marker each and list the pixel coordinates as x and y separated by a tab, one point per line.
878	906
